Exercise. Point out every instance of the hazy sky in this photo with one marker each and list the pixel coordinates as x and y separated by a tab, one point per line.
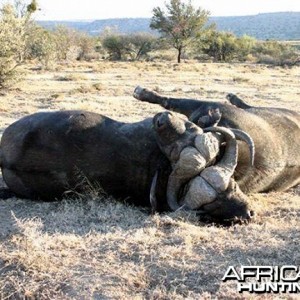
103	9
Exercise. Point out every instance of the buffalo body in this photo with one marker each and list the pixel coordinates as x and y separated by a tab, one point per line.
45	154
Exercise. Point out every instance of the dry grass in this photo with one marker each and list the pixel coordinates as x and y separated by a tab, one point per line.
97	248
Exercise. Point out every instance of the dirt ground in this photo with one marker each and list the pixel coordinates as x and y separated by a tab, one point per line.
99	248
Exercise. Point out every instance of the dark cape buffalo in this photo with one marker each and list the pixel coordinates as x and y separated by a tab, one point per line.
46	154
275	132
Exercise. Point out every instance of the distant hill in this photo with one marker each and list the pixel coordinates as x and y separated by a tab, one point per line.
123	25
278	26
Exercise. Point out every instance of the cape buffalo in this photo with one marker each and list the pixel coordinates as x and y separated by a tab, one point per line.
275	132
44	154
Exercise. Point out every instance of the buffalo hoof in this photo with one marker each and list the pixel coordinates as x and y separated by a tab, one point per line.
137	94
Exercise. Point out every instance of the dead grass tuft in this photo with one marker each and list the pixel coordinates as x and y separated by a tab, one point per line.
98	86
70	77
240	79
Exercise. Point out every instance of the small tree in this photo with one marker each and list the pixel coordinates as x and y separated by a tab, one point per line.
15	25
180	24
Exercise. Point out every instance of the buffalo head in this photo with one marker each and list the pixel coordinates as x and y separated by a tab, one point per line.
196	182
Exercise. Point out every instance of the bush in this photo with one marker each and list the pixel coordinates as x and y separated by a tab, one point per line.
86	46
244	48
275	53
224	46
14	27
140	44
64	39
218	45
60	44
117	46
9	74
131	46
41	46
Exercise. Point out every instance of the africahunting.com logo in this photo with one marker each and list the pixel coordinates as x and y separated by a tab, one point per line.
265	279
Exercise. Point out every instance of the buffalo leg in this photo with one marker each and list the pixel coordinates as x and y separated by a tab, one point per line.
184	106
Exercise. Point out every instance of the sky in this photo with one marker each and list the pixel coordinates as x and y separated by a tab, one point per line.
105	9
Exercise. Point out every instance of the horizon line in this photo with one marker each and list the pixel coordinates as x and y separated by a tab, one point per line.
115	18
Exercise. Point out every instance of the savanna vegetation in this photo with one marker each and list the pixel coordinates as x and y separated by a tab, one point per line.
96	247
180	25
